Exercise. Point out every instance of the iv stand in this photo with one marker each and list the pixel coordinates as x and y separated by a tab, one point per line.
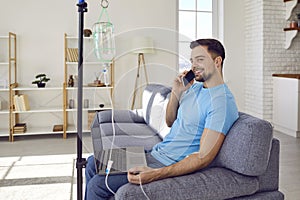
80	162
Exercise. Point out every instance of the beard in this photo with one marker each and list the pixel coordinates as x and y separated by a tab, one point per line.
203	78
200	79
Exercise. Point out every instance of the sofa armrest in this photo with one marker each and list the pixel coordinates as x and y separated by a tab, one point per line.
212	183
246	148
121	116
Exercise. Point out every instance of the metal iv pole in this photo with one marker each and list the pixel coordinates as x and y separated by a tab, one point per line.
80	162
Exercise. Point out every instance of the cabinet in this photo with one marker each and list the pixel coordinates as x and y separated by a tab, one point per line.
8	74
94	94
290	33
286	103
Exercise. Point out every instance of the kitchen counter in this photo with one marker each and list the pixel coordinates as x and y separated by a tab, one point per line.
286	103
297	76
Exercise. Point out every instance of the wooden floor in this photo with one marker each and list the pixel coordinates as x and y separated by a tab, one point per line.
26	159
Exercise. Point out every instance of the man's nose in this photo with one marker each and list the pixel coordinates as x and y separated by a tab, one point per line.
194	66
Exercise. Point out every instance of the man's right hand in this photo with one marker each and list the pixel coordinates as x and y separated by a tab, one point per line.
178	86
173	104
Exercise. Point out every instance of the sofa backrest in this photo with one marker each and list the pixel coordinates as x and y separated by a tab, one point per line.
155	99
246	148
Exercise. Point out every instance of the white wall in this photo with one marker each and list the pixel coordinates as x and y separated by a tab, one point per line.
40	26
233	20
254	39
265	53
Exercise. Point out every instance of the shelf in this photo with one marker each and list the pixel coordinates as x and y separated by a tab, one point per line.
290	0
292	29
41	110
3	134
296	76
76	38
89	92
289	6
85	63
90	88
290	34
4	89
95	108
73	129
38	131
30	88
4	112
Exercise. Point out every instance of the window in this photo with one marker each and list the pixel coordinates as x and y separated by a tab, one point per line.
196	19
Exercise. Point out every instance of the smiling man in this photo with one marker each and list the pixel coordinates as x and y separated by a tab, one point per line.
199	114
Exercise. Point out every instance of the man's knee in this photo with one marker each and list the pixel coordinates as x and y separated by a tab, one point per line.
90	162
96	188
90	169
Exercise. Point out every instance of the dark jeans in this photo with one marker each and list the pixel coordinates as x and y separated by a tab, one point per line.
95	183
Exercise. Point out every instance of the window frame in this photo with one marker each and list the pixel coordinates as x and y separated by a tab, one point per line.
215	27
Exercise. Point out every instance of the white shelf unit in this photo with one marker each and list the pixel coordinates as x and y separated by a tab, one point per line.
290	33
45	110
96	95
8	74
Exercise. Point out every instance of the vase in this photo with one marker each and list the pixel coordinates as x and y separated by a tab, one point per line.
41	85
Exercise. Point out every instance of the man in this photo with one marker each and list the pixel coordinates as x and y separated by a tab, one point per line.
199	114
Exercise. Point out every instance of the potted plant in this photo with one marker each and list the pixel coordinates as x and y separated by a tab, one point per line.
41	80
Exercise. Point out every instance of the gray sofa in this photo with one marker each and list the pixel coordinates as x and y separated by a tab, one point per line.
247	166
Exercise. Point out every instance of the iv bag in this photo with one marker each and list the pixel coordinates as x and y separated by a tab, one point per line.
104	41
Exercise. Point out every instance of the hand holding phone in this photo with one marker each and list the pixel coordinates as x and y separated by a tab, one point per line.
188	78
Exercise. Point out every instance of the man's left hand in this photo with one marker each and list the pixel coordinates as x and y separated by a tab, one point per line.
142	175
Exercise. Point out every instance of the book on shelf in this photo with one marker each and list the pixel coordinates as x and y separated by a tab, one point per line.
21	102
72	54
58	127
24	102
17	105
20	128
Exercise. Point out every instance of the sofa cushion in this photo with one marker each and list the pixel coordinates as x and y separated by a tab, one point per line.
269	180
155	99
121	116
246	148
157	119
270	195
130	129
210	184
122	141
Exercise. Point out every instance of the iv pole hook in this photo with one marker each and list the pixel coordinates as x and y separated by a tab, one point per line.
104	3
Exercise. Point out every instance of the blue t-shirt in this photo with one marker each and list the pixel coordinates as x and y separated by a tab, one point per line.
211	108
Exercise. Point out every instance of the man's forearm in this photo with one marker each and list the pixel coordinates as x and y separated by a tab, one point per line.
210	144
190	164
172	107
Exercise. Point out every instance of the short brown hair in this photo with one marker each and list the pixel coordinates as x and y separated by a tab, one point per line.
213	46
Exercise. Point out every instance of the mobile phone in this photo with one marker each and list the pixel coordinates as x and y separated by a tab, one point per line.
188	78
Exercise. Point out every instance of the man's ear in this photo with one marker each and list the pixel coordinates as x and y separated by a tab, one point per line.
218	61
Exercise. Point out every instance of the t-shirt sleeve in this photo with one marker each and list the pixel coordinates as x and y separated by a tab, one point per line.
222	114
